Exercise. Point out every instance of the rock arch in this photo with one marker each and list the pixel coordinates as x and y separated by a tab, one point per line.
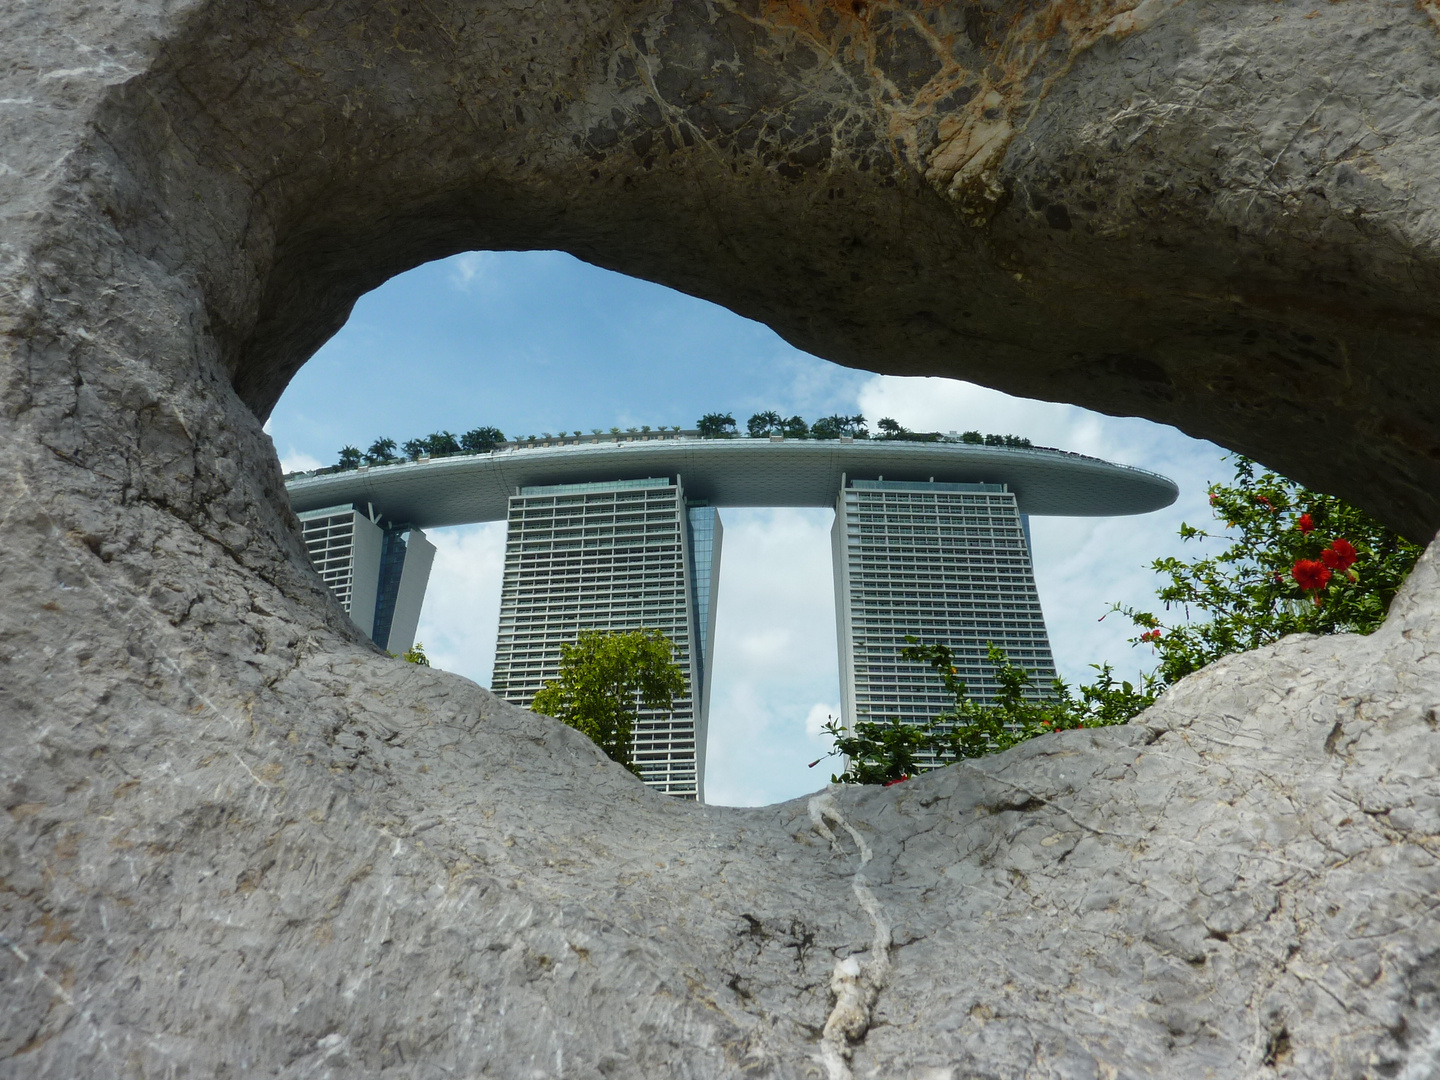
1147	208
235	839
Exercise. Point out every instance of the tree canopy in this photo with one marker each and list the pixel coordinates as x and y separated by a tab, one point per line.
770	422
606	679
886	751
1296	561
381	452
385	451
715	426
765	423
482	440
833	427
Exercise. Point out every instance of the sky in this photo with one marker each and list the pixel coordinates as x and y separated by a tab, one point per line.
535	342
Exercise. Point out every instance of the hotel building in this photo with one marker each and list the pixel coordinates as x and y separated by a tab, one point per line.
621	532
947	563
624	555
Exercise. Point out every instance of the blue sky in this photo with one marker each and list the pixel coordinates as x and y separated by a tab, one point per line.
538	341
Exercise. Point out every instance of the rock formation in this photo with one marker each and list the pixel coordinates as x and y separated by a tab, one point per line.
236	841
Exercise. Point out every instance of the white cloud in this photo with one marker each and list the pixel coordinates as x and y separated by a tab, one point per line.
473	270
775	657
462	603
820	714
298	461
814	390
494	271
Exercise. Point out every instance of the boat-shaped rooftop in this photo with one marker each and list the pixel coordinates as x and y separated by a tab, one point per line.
465	488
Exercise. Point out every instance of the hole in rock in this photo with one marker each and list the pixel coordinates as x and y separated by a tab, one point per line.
541	344
1277	1048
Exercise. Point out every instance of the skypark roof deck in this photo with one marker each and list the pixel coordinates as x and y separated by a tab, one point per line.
463	489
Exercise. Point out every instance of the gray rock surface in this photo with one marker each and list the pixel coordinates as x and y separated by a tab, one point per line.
344	865
236	841
1219	214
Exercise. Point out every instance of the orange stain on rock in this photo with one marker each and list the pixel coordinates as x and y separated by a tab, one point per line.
1000	67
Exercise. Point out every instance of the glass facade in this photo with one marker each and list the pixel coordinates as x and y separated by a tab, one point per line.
705	533
392	567
946	563
612	556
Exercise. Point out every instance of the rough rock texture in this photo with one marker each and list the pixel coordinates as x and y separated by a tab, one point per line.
1216	214
237	841
343	865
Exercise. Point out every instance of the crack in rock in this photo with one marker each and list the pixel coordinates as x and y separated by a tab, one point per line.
854	986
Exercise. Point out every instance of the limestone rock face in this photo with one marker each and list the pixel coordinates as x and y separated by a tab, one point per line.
236	841
338	865
1219	215
344	865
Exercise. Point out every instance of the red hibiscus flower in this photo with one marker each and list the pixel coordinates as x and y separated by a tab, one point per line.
1306	524
1340	555
1150	635
1310	574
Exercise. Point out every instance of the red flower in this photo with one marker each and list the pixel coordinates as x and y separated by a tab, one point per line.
1150	635
1340	555
892	783
1306	524
1310	574
1263	501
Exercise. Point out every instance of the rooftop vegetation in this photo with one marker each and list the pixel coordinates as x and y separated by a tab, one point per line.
770	424
384	451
